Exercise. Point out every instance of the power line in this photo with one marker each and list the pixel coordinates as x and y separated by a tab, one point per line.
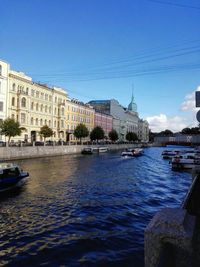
174	4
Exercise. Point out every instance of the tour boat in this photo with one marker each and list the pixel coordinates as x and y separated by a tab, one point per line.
136	152
185	161
87	151
11	176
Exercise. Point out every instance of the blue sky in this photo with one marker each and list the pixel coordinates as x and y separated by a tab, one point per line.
97	49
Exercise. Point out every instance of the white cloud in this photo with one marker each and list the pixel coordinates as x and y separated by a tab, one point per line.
189	102
161	122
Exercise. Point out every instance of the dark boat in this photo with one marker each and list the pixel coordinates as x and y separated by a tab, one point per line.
11	176
87	151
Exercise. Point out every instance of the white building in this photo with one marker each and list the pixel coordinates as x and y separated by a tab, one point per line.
32	104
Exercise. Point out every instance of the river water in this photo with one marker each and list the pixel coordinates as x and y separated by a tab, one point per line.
87	210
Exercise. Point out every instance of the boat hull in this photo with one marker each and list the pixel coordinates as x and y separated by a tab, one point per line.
13	182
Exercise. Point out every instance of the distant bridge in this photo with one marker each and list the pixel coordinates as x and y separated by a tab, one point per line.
183	140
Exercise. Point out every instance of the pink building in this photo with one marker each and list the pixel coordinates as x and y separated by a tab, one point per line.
103	120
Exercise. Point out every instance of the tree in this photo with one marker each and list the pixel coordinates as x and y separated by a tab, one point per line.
113	135
97	133
166	133
45	131
131	136
81	131
11	128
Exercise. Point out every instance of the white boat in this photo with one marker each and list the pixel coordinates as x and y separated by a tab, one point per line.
102	149
11	176
185	161
133	152
169	154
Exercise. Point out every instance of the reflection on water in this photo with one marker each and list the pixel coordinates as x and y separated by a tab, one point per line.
86	210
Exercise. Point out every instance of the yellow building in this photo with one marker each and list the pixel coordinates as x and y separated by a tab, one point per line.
32	104
77	112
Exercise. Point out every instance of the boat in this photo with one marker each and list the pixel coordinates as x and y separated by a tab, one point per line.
11	176
102	149
87	151
136	152
185	161
168	154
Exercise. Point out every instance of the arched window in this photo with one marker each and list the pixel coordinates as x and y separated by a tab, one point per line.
36	121
41	122
41	108
49	123
37	107
32	121
32	105
55	111
13	101
14	87
54	123
23	102
27	90
45	122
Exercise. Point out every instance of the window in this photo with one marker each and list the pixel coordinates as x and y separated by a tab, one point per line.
27	90
31	121
32	105
42	95
23	102
13	101
50	98
14	87
1	106
46	109
62	123
55	99
36	121
55	111
23	117
41	122
32	92
54	123
49	123
0	70
13	116
37	106
41	108
46	97
45	122
37	94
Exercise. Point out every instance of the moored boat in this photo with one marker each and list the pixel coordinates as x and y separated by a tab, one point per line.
11	176
185	161
102	149
87	151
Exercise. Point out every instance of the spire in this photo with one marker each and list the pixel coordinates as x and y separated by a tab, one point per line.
132	106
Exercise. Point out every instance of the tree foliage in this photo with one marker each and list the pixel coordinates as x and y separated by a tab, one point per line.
193	130
97	133
166	133
131	136
11	128
81	131
45	131
113	135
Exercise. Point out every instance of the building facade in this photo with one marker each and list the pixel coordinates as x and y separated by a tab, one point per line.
105	121
124	120
33	105
143	130
77	112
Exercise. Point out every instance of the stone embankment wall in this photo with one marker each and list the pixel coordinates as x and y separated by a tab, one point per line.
9	153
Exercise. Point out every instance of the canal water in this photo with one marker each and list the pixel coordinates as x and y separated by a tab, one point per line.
87	210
